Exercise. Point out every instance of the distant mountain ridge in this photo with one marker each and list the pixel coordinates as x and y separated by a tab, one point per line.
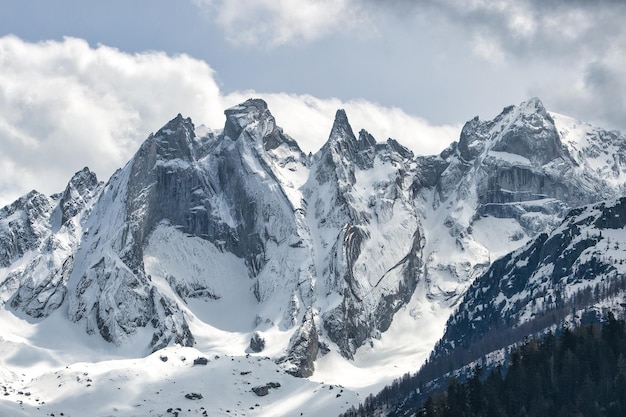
238	231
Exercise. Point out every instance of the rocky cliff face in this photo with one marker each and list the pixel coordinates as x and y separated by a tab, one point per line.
238	231
361	213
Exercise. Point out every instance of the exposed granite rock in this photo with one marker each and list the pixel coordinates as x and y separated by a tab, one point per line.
263	390
24	226
200	361
303	347
257	342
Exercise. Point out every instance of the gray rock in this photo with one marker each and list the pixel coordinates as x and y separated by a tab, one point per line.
257	342
261	391
303	347
25	223
200	361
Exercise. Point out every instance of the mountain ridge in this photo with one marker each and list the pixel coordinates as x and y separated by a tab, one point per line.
222	239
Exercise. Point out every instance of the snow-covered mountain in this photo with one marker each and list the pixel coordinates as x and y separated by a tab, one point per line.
234	242
573	275
575	270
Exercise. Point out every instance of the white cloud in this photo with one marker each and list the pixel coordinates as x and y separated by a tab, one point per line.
488	48
597	89
66	105
278	22
554	40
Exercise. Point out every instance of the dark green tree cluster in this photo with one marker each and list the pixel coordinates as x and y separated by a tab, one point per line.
388	397
582	372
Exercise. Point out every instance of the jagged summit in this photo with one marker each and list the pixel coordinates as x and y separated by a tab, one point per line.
254	117
400	149
177	123
77	194
175	140
245	114
341	129
343	152
366	140
531	134
527	130
23	226
533	105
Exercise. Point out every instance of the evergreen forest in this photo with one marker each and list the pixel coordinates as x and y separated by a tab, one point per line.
579	373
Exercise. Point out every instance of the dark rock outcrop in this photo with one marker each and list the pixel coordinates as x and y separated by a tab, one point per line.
263	390
200	361
257	342
303	347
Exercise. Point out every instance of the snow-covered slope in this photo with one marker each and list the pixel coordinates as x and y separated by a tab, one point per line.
175	381
340	267
578	268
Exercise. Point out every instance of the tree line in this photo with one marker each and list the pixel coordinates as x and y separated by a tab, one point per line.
582	372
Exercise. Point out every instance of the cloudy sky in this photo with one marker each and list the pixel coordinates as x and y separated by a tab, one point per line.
82	83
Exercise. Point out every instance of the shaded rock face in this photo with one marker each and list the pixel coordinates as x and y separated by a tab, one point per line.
171	181
335	198
162	183
527	131
103	286
527	183
257	343
196	185
45	231
519	157
170	324
472	140
303	347
346	324
39	298
533	136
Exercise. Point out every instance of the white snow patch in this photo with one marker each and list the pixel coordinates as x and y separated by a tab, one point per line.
499	236
509	157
